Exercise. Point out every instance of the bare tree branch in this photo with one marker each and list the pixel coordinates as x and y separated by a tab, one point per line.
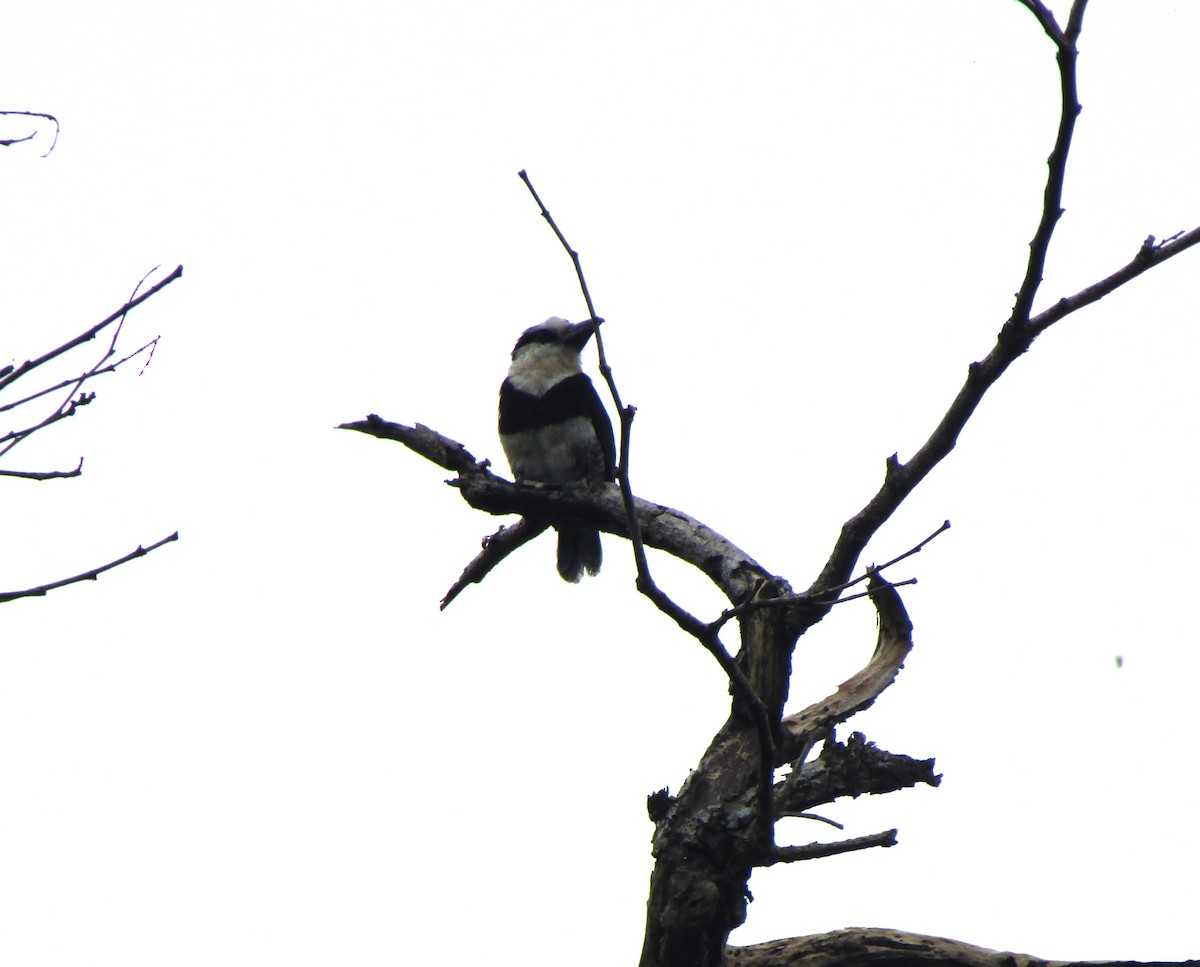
29	137
44	474
91	575
1150	254
7	379
1057	163
850	769
75	381
446	453
495	549
68	409
1014	339
816	851
68	406
1045	17
705	633
828	595
731	569
861	689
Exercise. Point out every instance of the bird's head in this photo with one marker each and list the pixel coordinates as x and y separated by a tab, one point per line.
554	336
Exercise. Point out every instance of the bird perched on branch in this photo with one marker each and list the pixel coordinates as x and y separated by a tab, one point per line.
554	429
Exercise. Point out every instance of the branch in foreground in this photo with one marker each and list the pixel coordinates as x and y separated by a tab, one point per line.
866	946
91	575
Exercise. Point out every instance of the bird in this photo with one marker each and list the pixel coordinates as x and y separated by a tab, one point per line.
554	429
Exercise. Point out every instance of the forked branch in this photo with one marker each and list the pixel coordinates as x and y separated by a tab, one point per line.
1015	336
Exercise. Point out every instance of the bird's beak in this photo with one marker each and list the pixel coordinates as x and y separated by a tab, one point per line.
578	334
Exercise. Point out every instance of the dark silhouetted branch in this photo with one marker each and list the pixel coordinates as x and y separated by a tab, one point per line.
816	851
700	630
44	474
91	575
1052	209
850	769
29	365
495	549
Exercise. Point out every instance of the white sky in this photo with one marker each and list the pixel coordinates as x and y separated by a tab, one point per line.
264	744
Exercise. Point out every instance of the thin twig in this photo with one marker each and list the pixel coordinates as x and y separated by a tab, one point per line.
1045	17
111	367
1052	209
605	369
44	474
821	819
83	337
823	597
895	560
91	575
13	437
866	594
645	582
814	851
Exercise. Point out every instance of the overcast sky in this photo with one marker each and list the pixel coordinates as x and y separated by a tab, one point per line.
264	744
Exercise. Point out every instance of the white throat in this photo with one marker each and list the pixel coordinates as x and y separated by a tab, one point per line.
541	365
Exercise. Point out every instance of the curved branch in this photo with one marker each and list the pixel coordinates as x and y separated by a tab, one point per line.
861	689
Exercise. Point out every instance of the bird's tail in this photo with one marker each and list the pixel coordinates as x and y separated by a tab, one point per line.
578	551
